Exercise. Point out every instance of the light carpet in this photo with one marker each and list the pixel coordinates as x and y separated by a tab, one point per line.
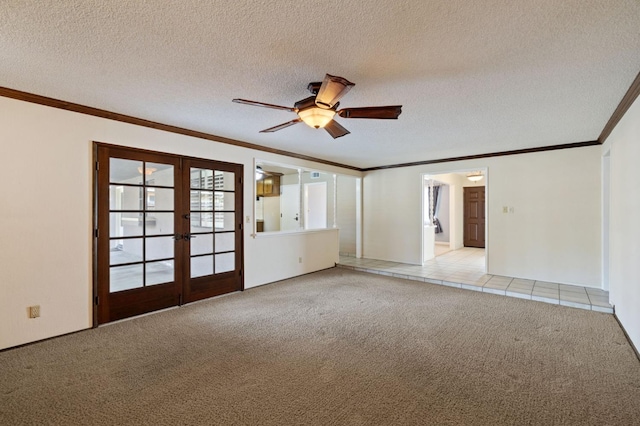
337	347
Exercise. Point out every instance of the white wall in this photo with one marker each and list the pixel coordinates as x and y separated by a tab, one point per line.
46	215
624	231
346	208
553	234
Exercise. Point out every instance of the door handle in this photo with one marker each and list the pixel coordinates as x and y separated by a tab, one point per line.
188	236
177	237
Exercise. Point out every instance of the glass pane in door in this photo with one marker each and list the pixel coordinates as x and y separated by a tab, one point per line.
224	201
125	197
225	262
159	199
125	171
201	222
201	266
225	241
212	212
159	174
141	224
159	248
159	223
224	180
201	244
225	221
159	272
127	250
201	178
125	277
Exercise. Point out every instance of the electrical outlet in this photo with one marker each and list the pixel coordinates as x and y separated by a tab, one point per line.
505	209
511	210
34	311
299	260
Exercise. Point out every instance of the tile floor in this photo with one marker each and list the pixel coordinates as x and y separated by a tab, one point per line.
464	268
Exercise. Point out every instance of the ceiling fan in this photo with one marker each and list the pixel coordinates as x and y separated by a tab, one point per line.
318	110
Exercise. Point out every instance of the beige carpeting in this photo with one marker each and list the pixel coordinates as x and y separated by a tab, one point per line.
336	347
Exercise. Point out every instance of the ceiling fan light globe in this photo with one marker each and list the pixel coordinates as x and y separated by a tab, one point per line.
147	171
474	177
316	117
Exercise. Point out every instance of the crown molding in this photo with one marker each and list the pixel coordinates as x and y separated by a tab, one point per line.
492	154
96	112
627	100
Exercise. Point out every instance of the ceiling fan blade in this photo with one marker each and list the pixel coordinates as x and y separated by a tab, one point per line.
262	104
335	129
332	89
281	126
381	112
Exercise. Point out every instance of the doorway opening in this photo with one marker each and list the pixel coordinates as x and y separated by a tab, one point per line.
444	228
315	205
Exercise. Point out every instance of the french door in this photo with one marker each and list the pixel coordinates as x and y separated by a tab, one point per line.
168	231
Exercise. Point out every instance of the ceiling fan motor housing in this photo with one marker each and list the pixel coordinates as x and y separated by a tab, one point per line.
306	103
314	87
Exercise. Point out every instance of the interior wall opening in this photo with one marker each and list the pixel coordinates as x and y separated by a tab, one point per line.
294	199
449	227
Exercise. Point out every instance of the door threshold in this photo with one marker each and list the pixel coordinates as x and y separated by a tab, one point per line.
170	308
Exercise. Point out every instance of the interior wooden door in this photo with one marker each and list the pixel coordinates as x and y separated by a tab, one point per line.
138	268
213	218
474	217
167	231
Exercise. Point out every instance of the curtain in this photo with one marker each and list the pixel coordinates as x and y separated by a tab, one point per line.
436	202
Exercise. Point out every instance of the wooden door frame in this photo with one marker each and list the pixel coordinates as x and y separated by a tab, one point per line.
96	218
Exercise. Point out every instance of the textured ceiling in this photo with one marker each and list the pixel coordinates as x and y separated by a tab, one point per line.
473	76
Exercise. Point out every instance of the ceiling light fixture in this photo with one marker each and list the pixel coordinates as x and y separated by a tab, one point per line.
316	117
475	176
147	171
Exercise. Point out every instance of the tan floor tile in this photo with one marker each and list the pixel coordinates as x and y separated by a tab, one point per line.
515	285
522	281
465	268
572	289
545	293
575	298
519	290
496	285
543	284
